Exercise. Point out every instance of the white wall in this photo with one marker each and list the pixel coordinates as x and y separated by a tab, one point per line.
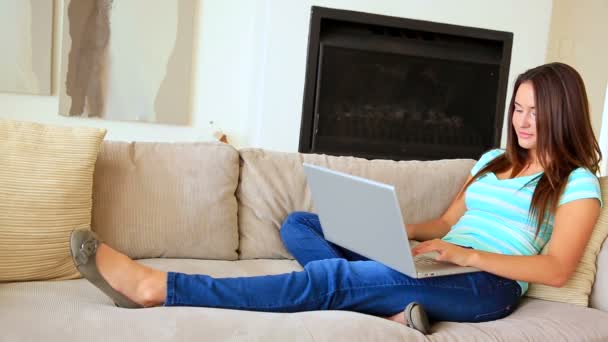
251	60
215	75
578	37
44	108
285	35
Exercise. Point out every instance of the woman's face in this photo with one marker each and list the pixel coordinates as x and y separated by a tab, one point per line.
524	116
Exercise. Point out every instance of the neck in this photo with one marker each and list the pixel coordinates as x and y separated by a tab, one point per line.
532	158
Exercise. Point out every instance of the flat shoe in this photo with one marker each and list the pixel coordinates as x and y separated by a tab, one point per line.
83	248
415	317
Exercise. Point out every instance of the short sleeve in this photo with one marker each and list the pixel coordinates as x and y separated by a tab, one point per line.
581	184
485	159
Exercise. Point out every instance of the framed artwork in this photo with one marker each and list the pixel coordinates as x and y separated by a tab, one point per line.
26	33
128	60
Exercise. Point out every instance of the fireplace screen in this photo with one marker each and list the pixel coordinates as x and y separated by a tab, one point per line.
400	95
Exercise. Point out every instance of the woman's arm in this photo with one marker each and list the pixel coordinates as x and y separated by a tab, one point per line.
437	228
572	228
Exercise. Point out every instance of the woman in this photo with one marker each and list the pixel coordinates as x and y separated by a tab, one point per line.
542	187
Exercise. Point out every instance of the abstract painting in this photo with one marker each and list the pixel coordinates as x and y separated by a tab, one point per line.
128	60
26	33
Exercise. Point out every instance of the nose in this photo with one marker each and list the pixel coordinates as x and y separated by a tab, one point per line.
526	120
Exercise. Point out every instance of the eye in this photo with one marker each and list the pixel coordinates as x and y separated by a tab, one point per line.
518	111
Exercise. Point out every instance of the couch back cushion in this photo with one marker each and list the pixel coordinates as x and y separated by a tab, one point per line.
173	200
273	184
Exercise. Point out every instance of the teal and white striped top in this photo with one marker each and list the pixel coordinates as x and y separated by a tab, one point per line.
497	220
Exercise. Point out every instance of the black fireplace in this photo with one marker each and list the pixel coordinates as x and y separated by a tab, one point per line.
402	89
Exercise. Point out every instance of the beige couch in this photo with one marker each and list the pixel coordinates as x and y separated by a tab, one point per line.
208	208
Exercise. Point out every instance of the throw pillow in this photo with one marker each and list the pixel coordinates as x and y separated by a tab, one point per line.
46	181
578	288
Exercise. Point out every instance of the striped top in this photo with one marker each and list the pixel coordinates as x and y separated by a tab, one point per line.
497	220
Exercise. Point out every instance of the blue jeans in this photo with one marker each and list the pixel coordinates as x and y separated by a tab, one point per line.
337	279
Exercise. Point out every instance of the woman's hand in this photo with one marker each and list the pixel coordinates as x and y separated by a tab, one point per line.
448	252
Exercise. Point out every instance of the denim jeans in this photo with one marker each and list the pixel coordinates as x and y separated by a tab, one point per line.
337	279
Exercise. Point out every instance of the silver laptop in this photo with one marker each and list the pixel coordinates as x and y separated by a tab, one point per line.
364	216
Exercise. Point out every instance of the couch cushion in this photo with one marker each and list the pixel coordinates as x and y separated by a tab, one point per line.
273	184
75	310
599	294
46	181
167	199
533	320
578	288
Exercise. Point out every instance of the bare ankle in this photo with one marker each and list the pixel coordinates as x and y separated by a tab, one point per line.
399	318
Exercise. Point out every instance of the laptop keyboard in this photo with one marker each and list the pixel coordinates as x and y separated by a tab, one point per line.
425	260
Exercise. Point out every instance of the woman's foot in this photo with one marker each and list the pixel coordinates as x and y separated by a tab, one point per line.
143	285
414	317
127	282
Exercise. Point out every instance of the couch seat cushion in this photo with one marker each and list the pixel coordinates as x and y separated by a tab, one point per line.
533	320
75	310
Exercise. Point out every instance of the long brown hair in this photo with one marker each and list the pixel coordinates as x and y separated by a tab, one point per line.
565	139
